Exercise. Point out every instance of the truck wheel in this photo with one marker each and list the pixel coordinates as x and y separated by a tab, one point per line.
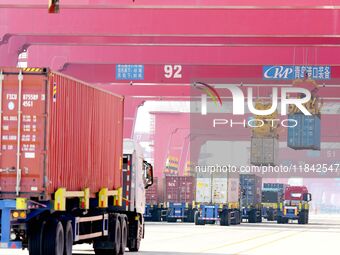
53	238
115	235
225	218
279	219
134	243
252	216
197	220
302	218
36	229
190	216
238	217
123	227
68	233
258	216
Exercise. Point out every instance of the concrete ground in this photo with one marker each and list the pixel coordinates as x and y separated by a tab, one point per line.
321	236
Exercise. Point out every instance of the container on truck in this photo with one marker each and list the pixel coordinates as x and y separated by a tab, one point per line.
63	175
217	199
251	186
176	199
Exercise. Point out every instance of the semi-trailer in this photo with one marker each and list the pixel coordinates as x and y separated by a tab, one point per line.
64	179
217	199
295	205
272	196
251	186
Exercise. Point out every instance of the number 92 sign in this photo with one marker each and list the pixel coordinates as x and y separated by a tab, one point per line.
173	71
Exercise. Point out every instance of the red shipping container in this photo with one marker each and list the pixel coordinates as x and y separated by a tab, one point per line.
151	194
187	189
179	189
71	135
171	188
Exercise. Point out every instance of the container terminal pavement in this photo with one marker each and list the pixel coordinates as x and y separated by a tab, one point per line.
320	236
169	127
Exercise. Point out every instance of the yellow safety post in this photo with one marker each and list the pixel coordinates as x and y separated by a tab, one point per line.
104	194
21	203
103	198
62	194
60	199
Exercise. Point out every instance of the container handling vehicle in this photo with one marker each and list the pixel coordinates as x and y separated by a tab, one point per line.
272	196
64	178
295	205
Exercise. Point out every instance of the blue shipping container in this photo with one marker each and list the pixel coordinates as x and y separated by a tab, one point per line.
306	135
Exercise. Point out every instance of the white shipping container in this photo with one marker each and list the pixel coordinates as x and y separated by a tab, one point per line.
217	189
203	190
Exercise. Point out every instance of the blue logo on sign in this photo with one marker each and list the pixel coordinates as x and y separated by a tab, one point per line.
296	72
129	72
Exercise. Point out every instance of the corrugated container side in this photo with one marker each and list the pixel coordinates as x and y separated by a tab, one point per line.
70	135
179	189
85	136
171	185
234	189
203	190
187	189
219	190
307	133
151	194
264	151
252	186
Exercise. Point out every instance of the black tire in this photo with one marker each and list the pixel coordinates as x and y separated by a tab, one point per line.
197	220
252	216
134	242
123	226
258	216
270	215
225	218
115	235
302	218
190	216
111	244
53	238
238	217
68	234
279	220
35	230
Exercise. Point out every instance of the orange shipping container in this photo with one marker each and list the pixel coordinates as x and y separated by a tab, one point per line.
71	135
